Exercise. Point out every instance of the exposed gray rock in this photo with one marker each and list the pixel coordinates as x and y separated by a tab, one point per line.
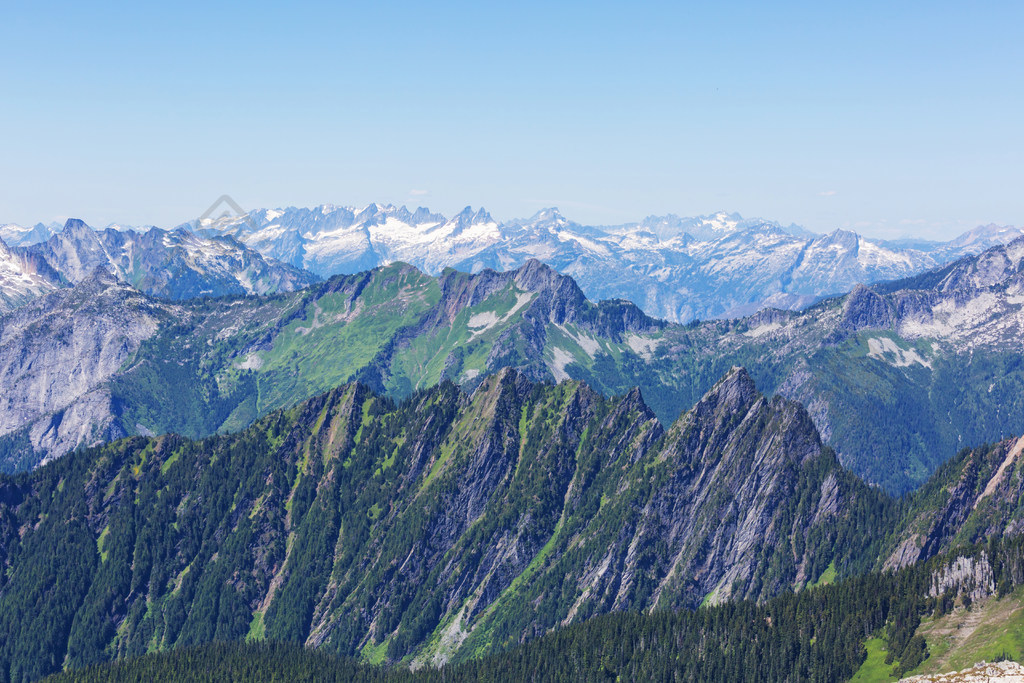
57	352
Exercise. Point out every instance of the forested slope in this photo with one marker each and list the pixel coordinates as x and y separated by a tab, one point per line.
433	530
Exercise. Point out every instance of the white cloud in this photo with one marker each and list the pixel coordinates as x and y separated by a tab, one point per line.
827	193
419	193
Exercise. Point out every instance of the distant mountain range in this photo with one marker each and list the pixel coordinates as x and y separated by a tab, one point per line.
174	264
678	269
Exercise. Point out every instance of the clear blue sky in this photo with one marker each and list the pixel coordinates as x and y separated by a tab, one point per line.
889	118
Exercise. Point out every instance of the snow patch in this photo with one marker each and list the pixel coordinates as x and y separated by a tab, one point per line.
251	362
879	347
481	322
589	344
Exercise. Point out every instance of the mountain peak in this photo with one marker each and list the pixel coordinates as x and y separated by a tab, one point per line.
634	400
76	227
865	308
727	216
468	217
423	215
550	213
735	390
535	275
840	236
734	395
100	278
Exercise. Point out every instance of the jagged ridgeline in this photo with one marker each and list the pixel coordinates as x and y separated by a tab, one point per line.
896	378
437	529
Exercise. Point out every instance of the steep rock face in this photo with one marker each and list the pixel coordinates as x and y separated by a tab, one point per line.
557	300
974	496
737	463
55	355
21	279
864	309
1001	265
446	525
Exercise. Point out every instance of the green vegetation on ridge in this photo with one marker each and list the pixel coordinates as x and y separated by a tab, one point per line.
441	528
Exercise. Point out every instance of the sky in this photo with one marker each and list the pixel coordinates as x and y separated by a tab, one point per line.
892	119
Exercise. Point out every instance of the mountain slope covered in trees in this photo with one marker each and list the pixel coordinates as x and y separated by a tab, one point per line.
827	633
433	530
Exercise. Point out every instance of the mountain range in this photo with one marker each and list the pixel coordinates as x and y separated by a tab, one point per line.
475	470
896	378
172	264
677	269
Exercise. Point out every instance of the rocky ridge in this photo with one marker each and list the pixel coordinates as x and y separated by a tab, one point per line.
425	529
172	265
895	377
977	495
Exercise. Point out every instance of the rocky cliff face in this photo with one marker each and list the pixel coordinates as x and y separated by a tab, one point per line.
975	496
56	355
445	525
20	280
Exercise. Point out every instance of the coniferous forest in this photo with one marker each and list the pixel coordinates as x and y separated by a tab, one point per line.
522	530
815	635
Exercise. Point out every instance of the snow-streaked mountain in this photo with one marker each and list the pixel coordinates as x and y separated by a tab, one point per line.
23	236
330	239
15	235
174	264
20	280
715	266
